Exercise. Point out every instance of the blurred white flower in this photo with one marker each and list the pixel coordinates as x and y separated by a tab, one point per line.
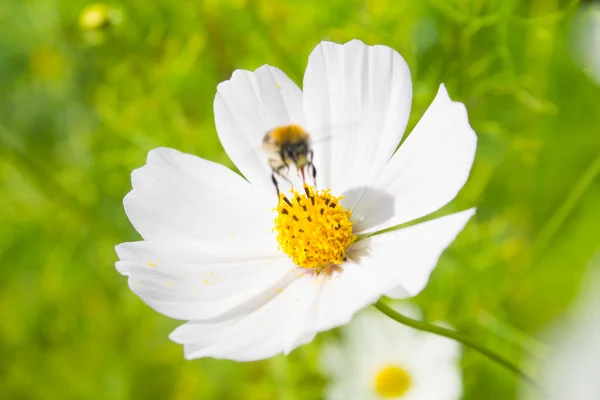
585	38
210	254
571	369
381	359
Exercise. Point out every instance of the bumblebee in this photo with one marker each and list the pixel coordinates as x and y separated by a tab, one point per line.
289	145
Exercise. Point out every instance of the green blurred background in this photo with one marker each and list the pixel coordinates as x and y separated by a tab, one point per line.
81	106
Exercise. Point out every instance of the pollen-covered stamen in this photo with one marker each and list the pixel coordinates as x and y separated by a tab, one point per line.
313	229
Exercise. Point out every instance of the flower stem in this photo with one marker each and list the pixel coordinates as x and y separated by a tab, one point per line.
438	330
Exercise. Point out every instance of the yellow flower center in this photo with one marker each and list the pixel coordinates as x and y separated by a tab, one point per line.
392	381
313	229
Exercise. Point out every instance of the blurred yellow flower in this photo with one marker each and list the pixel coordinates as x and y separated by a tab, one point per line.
99	15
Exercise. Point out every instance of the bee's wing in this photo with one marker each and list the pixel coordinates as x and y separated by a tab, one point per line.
259	151
258	158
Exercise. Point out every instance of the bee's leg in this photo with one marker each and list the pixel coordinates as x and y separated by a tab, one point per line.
276	167
312	166
275	183
302	173
281	175
278	170
314	173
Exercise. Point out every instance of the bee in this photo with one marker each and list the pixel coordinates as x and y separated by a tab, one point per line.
286	146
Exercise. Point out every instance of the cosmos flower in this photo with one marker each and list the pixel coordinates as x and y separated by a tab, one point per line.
381	359
569	369
585	39
210	253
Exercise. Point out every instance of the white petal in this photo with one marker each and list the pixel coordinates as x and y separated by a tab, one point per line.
246	107
334	363
313	304
397	293
202	280
307	306
332	360
363	95
427	171
183	197
258	335
438	377
377	340
337	297
373	341
345	293
446	351
407	256
433	361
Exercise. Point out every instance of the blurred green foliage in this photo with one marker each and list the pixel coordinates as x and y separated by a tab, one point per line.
79	109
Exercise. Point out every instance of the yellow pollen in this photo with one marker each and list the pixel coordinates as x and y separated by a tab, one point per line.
313	229
392	381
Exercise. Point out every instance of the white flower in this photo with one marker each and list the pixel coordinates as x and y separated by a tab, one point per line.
585	39
571	368
382	359
210	255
